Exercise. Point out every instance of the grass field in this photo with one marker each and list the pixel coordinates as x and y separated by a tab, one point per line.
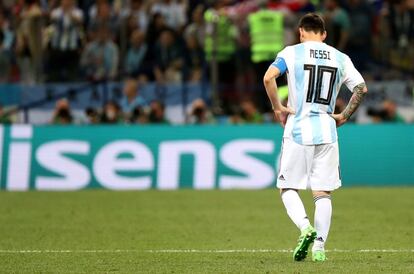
199	232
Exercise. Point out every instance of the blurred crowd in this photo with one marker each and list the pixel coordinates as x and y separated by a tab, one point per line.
133	109
171	41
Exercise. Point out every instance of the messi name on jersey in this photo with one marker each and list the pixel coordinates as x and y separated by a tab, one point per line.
320	54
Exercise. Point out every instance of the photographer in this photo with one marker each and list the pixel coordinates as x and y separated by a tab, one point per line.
62	114
199	113
387	113
112	113
157	113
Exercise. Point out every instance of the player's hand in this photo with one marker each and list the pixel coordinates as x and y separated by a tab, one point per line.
339	119
282	113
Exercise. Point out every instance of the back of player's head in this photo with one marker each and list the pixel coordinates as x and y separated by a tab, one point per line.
312	22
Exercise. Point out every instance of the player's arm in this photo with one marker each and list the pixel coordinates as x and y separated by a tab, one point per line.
269	82
271	88
359	92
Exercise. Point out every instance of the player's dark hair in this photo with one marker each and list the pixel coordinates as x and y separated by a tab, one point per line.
312	22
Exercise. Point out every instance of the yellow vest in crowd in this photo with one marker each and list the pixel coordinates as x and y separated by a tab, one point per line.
225	36
266	34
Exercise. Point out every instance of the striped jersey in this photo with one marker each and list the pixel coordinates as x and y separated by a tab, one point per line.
315	73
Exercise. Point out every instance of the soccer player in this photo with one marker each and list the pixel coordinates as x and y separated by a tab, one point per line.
310	157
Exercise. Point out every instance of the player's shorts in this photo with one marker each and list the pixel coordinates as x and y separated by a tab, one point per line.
313	167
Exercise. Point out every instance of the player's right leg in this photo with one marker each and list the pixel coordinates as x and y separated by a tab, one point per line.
293	174
296	212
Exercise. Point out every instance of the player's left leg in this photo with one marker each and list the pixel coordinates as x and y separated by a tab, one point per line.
322	223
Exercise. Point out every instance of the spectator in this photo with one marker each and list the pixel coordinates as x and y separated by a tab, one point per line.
193	4
131	99
169	59
138	116
235	117
174	12
4	117
92	9
112	113
157	113
194	60
200	114
66	42
386	113
359	43
62	114
104	18
220	48
391	112
249	113
136	63
156	26
92	116
7	4
136	13
5	59
401	34
29	42
8	35
197	27
132	16
100	58
49	5
401	23
337	24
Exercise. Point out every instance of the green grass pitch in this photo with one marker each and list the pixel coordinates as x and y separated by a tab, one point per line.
199	232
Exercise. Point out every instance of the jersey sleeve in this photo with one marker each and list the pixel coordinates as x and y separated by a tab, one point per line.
280	62
352	75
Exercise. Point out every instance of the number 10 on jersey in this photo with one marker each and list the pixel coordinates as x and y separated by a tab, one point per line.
319	72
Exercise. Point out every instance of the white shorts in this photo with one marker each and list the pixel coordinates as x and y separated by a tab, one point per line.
313	167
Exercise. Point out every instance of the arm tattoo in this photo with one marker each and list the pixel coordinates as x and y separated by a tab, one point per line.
355	101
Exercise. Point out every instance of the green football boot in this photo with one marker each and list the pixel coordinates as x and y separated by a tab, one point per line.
318	256
306	238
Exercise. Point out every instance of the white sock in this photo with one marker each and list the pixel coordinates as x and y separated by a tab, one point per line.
295	208
323	213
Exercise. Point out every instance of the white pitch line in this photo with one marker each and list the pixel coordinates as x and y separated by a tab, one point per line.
219	251
34	251
72	251
273	250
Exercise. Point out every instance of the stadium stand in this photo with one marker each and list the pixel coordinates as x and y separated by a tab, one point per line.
183	52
